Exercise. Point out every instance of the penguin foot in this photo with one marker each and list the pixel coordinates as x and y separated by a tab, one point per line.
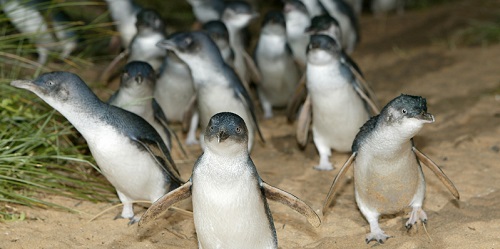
191	141
134	220
324	167
416	214
378	236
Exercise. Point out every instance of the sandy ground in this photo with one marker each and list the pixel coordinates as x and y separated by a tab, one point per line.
399	54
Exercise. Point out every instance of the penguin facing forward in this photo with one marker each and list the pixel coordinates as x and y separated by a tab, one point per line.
128	150
388	175
124	14
207	10
348	22
280	74
339	103
136	95
230	208
297	20
218	88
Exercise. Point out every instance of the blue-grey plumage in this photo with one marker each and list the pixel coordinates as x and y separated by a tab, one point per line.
348	22
217	30
388	175
297	20
280	74
124	14
207	10
237	16
150	30
135	95
29	17
230	208
338	107
217	86
174	87
128	150
314	7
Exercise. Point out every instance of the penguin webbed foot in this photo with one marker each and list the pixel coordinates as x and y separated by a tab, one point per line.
378	236
324	166
416	214
134	220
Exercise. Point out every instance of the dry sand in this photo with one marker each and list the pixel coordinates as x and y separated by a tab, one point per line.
398	55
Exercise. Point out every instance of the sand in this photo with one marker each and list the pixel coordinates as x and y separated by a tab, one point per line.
399	54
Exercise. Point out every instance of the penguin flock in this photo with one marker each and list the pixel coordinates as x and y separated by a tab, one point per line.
206	78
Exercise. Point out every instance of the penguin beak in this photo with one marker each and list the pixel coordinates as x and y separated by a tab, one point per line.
424	116
24	84
221	136
166	44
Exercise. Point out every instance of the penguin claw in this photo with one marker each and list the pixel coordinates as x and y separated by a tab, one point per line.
134	220
379	237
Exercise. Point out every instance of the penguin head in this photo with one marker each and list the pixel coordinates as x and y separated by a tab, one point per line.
238	14
217	30
295	10
407	114
325	25
322	49
149	21
227	133
138	74
274	24
192	47
59	90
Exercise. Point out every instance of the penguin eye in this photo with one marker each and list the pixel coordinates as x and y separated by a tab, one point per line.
212	128
50	83
238	130
404	111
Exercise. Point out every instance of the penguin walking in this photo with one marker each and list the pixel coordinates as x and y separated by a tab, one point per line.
388	174
128	150
229	198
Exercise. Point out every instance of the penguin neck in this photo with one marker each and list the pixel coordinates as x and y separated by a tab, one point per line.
296	23
393	138
86	115
322	76
206	72
272	45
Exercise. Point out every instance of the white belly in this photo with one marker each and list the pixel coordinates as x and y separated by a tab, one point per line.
136	175
229	212
145	49
279	78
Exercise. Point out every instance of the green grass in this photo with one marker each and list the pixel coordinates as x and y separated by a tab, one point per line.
40	152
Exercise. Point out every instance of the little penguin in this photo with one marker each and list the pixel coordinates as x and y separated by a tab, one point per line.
217	86
49	31
297	20
207	10
124	14
314	7
136	95
237	15
340	103
229	198
388	176
348	21
150	30
217	30
275	61
128	150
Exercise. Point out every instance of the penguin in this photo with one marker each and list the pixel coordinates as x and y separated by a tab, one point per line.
275	61
348	21
217	30
150	30
124	14
136	95
230	208
297	20
388	174
128	150
340	103
217	86
207	10
28	18
314	7
382	7
174	87
237	16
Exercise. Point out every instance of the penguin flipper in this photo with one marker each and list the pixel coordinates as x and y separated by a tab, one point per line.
297	98
188	113
161	157
254	71
304	122
374	110
437	171
162	204
283	197
335	183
